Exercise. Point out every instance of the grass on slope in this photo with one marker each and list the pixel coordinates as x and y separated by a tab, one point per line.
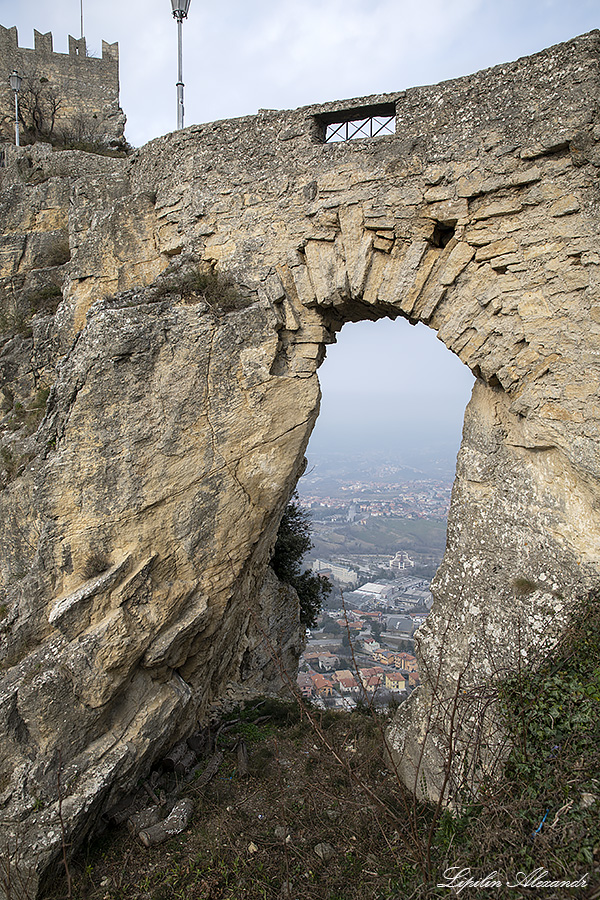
319	816
298	819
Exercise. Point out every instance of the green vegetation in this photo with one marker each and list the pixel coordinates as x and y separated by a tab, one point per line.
15	452
330	626
8	462
317	807
18	307
293	542
12	464
296	817
14	322
385	534
46	299
18	416
544	811
424	539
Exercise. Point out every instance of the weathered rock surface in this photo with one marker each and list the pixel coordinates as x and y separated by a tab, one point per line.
138	517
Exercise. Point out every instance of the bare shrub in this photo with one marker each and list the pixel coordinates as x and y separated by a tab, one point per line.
95	564
196	284
39	104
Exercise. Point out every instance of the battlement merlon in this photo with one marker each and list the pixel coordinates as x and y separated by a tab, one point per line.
9	37
110	51
77	46
44	43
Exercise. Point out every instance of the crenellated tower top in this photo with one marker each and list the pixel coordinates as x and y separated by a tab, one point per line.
77	95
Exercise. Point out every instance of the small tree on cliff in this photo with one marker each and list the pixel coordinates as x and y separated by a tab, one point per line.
39	105
293	541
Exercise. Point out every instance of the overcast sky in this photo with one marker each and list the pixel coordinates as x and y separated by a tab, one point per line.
396	382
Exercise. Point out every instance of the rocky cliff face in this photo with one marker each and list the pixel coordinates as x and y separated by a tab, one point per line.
155	417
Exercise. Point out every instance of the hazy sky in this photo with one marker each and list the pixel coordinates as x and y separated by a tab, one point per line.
385	382
391	386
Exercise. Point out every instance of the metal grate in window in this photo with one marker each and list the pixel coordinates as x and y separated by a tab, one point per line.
359	122
360	128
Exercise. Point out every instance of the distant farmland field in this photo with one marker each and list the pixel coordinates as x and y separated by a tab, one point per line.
381	534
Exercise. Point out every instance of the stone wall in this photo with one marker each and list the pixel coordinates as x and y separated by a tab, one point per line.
87	87
139	515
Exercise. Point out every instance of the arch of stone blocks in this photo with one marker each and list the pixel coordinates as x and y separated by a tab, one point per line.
478	218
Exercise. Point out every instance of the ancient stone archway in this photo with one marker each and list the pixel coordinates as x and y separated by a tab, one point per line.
138	531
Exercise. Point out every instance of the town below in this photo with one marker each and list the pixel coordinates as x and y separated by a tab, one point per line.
378	537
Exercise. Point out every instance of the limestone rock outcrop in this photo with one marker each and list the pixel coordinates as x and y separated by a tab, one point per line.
156	418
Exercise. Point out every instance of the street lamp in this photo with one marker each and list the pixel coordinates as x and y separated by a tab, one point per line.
15	83
180	11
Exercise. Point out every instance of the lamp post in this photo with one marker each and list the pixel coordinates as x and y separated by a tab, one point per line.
15	83
180	11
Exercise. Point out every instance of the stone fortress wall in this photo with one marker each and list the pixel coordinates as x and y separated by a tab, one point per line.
175	427
88	87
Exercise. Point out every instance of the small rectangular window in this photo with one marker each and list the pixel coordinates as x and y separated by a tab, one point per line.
360	122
